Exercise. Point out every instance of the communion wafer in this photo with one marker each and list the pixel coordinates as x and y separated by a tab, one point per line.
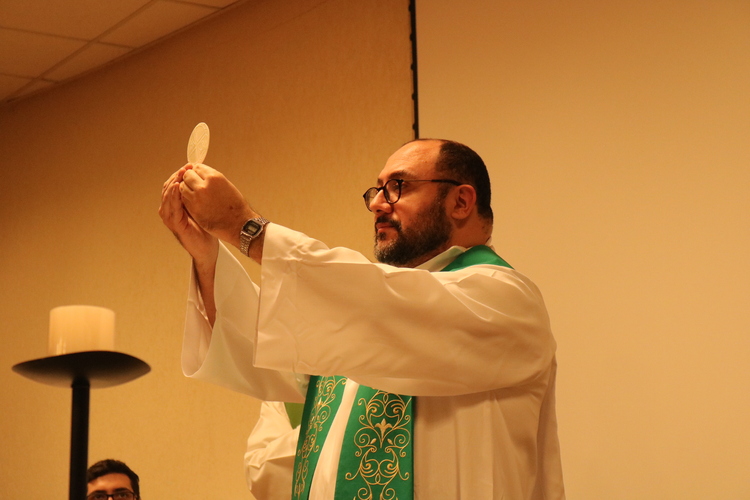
198	144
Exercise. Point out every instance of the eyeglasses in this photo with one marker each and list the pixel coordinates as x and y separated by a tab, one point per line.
392	189
117	495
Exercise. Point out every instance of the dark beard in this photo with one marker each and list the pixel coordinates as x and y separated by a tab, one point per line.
431	230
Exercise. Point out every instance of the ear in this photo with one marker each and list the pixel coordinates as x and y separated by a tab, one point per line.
463	200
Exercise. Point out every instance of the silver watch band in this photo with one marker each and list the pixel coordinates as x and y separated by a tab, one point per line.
251	230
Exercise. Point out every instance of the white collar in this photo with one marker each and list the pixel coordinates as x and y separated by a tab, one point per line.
441	260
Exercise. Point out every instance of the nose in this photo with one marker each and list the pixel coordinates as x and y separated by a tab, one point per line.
379	205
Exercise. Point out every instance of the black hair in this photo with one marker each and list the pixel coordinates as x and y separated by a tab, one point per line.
111	466
461	163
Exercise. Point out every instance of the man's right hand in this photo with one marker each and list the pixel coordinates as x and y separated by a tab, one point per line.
203	247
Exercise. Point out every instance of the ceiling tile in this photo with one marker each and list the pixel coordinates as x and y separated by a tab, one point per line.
218	3
92	56
156	21
85	19
36	85
43	42
29	54
10	84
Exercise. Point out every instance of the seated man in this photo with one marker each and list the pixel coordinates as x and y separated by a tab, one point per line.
112	479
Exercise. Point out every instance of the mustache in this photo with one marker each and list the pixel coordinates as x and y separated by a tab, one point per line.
386	220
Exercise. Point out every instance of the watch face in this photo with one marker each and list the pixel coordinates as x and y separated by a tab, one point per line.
252	227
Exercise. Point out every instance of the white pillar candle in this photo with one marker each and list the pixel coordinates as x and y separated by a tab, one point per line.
81	328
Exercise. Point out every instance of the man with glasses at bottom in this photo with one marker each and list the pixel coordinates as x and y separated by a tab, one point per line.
429	375
112	479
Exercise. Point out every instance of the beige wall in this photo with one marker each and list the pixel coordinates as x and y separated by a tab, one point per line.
618	139
305	100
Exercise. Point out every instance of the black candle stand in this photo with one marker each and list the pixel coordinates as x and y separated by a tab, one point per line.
82	371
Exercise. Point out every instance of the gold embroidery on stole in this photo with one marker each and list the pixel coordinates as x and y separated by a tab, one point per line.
384	428
319	415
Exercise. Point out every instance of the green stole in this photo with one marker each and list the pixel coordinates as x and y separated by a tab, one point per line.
376	460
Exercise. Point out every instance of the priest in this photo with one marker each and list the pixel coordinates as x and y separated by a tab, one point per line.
427	375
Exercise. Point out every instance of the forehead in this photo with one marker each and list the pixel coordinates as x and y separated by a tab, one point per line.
414	160
110	482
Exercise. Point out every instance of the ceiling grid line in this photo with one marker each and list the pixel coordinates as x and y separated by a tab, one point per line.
45	44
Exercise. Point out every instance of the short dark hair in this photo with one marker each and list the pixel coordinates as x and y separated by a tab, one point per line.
461	163
111	466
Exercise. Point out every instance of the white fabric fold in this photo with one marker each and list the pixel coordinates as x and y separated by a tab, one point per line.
473	345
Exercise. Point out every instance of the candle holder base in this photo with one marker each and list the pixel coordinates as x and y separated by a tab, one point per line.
100	368
82	371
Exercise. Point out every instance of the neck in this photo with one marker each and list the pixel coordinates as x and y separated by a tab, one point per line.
470	232
427	256
453	242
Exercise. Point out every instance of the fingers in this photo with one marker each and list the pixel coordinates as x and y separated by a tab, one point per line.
176	218
171	210
191	180
188	179
181	172
169	182
187	193
175	177
182	182
203	170
197	176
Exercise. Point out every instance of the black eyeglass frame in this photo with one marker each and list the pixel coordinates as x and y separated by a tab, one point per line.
112	495
371	193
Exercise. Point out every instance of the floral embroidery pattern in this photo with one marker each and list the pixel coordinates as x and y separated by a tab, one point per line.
382	442
319	414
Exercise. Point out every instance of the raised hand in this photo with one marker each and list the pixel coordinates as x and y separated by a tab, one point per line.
214	203
200	244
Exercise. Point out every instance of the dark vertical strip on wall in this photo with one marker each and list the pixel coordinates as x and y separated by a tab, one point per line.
415	86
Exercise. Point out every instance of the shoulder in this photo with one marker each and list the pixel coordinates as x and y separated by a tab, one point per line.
491	278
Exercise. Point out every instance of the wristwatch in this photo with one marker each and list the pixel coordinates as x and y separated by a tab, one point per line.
251	230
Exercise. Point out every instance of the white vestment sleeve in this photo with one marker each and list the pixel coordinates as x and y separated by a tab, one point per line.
408	331
224	356
271	448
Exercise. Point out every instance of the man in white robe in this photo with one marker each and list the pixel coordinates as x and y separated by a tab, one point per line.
474	345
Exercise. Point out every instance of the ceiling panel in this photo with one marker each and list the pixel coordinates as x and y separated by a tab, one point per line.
84	19
9	84
33	87
92	56
29	54
215	3
47	42
152	22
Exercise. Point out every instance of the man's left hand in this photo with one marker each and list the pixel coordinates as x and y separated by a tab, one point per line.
215	203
